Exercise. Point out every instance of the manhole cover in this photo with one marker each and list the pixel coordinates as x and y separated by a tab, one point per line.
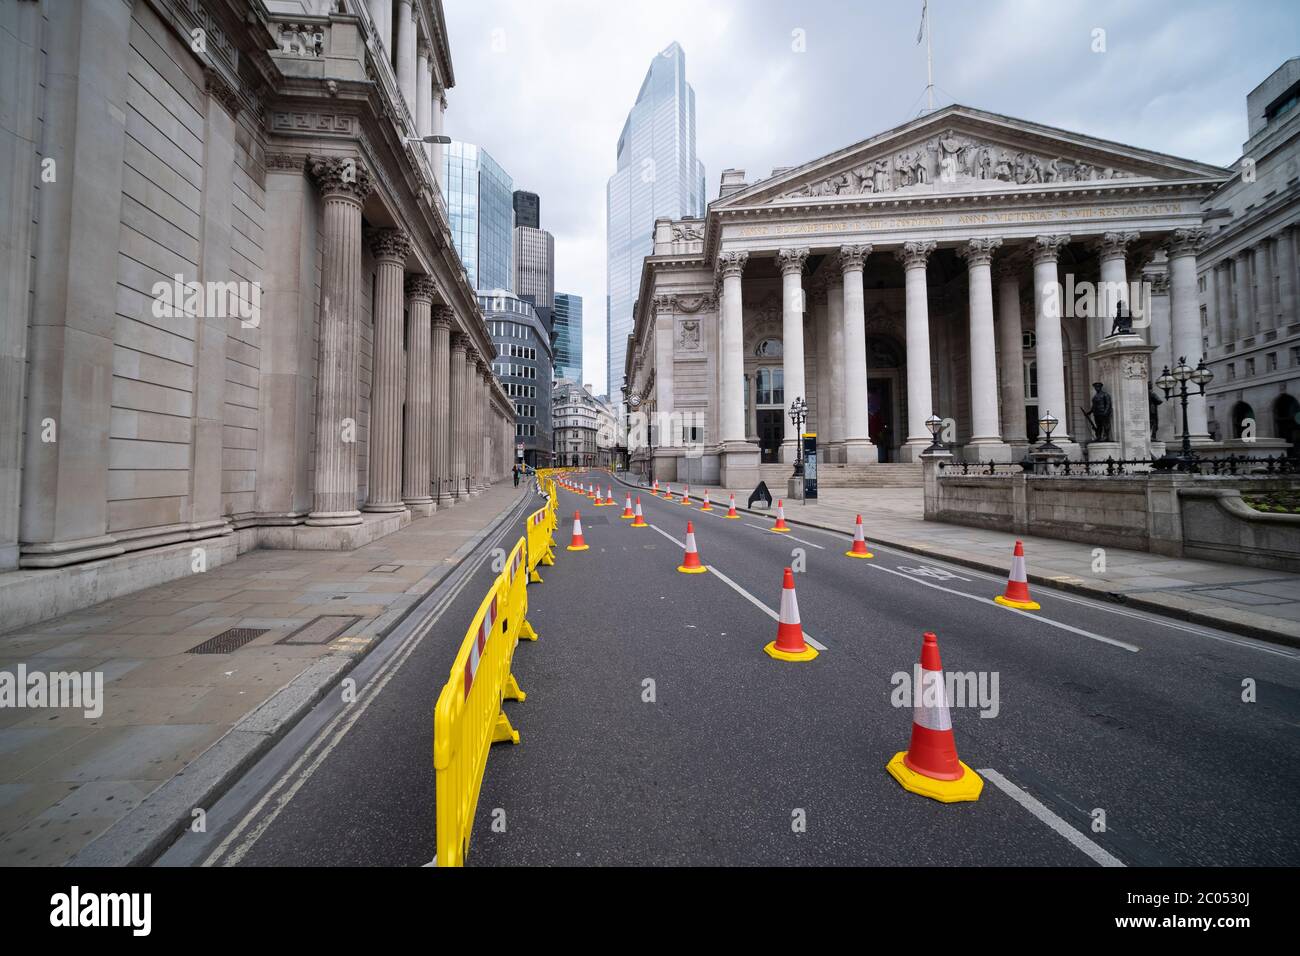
227	641
384	568
321	630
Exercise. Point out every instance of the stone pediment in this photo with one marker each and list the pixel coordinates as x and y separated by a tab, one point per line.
958	149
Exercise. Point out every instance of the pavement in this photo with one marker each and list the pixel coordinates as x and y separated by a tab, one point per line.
1257	602
177	725
656	731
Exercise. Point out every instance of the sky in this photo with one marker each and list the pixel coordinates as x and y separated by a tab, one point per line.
545	85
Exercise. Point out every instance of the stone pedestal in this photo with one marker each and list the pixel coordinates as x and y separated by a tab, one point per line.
1123	365
740	461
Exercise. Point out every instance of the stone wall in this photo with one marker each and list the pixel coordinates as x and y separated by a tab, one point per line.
1177	515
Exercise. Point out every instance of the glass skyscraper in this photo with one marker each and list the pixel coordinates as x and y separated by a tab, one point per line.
658	175
567	336
480	206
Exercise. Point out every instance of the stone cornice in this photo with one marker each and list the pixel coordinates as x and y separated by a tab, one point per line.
216	87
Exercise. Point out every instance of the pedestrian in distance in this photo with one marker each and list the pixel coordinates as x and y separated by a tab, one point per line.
516	472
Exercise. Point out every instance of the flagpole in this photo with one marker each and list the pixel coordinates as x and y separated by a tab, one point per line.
929	63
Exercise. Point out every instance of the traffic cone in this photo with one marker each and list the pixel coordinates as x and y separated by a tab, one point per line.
859	549
638	519
668	491
577	544
930	766
627	508
1017	593
691	563
654	489
780	525
706	506
789	644
731	510
686	495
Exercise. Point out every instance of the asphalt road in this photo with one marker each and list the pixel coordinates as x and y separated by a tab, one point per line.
740	759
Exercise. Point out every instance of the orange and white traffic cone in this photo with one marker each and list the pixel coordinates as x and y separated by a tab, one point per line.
706	506
930	766
638	520
859	549
691	562
609	496
780	525
731	510
577	544
789	644
1017	593
686	495
627	508
668	491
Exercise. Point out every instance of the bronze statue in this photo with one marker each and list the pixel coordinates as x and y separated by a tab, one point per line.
1102	409
1154	402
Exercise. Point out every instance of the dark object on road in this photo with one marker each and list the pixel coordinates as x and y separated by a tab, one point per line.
761	494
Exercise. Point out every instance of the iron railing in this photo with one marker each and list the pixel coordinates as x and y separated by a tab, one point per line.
1231	465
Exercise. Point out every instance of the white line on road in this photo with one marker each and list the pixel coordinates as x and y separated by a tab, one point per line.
1095	852
741	591
1034	617
790	536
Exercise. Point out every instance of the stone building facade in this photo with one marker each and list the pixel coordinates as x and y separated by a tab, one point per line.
1249	286
963	265
234	316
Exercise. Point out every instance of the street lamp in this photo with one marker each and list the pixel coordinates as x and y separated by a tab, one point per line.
1048	425
935	424
436	138
1177	381
798	415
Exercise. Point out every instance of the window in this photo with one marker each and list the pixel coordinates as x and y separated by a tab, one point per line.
769	348
1028	340
1250	366
1232	371
1031	380
771	387
1271	361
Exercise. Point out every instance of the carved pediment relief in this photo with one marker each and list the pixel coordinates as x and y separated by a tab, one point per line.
953	159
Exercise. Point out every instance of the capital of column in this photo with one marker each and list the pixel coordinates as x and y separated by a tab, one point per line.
792	260
442	316
342	177
484	368
420	287
854	257
1114	245
914	255
459	341
979	252
216	86
1185	242
732	264
393	244
1048	248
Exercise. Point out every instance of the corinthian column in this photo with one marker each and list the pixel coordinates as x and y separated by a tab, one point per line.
857	439
1011	348
834	361
390	248
440	405
406	39
456	413
792	262
1047	333
732	407
986	440
1185	317
920	402
417	443
344	185
480	423
470	416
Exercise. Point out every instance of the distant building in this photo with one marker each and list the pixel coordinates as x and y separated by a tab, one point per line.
528	209
523	363
567	336
534	256
480	208
584	427
1248	280
659	135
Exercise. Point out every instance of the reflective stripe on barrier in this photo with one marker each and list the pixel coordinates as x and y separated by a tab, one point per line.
468	717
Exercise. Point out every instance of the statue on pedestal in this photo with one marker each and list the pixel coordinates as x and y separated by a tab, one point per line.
1154	402
1102	411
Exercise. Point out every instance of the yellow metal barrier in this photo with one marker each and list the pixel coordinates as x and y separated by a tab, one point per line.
541	542
468	717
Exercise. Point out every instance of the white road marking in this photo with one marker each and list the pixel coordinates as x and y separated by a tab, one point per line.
1095	852
1036	617
790	536
742	592
344	720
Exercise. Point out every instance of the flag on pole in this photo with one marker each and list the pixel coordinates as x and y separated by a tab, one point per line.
920	31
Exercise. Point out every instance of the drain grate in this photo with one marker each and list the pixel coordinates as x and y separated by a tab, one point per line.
384	568
229	640
321	630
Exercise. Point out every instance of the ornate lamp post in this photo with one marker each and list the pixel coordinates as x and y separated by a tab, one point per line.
935	424
1048	425
798	415
1176	382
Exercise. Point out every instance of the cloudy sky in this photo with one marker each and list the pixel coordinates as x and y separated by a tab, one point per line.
545	85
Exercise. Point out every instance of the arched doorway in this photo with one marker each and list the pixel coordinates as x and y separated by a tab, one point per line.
769	404
1286	422
1241	413
884	382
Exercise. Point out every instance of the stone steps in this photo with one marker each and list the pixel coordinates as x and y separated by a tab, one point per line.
886	475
